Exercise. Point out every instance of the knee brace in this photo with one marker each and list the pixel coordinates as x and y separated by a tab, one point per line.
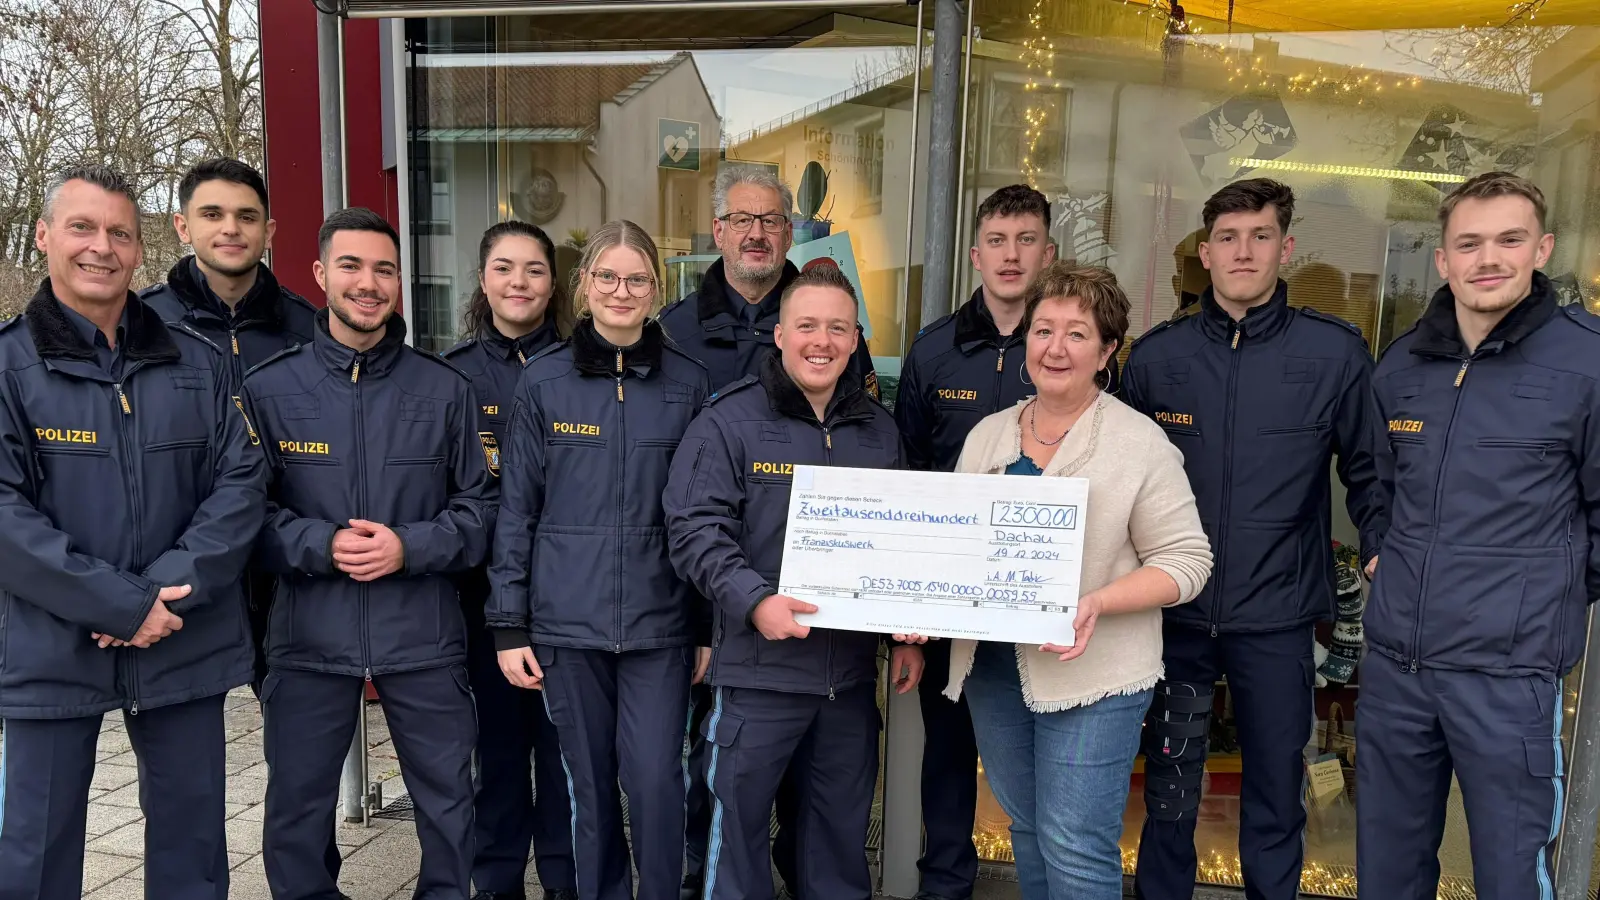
1175	748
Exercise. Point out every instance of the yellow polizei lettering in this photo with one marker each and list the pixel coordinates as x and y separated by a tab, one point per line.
307	448
575	428
957	394
491	410
1171	418
1405	426
67	435
767	468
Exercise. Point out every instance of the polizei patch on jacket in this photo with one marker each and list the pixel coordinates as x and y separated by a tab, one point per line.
1405	426
491	451
575	428
957	394
305	448
67	436
771	468
1173	418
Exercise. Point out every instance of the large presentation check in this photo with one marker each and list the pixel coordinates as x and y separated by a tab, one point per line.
991	557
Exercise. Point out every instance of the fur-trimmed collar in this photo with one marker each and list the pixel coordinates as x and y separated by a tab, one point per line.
594	355
849	401
54	337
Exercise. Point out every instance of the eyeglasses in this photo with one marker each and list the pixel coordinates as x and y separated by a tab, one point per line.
771	223
638	285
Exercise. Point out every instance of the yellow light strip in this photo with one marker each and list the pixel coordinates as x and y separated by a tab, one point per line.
1353	171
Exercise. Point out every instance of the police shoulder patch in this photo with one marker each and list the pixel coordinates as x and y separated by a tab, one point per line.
1331	319
737	386
491	451
871	386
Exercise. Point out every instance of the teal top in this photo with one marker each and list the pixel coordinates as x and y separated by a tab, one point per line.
1024	466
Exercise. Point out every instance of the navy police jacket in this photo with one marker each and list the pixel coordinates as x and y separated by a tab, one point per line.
109	491
705	326
1493	459
727	506
1260	408
580	550
388	435
494	363
268	319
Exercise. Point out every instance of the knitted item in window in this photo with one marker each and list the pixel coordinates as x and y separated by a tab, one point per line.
1346	650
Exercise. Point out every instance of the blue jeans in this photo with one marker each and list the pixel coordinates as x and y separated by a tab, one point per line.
1062	777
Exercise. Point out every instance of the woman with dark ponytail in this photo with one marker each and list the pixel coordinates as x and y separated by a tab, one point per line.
512	316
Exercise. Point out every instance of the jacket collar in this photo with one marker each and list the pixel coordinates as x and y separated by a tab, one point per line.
146	338
712	299
521	349
261	305
1438	333
1259	322
975	326
849	401
375	362
592	354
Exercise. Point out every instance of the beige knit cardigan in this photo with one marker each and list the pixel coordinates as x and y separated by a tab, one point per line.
1141	512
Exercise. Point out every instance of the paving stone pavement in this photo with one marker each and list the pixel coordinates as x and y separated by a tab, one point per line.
380	860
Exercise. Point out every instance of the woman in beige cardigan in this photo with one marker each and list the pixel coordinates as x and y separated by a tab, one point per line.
1058	727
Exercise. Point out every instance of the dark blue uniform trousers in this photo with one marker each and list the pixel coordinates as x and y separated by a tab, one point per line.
623	716
46	766
829	746
949	862
1271	680
700	803
310	720
1501	735
511	817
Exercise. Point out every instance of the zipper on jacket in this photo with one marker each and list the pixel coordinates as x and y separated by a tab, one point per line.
1438	483
361	511
1229	414
622	463
999	367
233	338
129	472
520	358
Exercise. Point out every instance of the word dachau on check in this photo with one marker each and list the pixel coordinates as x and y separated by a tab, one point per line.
834	511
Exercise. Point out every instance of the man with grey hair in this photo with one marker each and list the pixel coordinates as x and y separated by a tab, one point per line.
131	490
728	326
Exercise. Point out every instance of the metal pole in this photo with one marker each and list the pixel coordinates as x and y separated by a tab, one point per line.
911	186
902	792
938	254
957	263
335	196
1575	854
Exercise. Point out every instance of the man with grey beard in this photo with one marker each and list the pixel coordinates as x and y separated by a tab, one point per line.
728	326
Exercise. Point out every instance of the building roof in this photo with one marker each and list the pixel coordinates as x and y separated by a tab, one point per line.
559	99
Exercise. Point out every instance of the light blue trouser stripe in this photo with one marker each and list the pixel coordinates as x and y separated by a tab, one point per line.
1546	886
714	842
572	795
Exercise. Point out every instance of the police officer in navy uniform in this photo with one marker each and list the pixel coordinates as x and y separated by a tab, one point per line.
1261	398
586	606
131	489
1491	405
225	292
960	369
729	326
786	697
380	496
510	318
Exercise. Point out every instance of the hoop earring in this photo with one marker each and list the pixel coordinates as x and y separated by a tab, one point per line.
1022	374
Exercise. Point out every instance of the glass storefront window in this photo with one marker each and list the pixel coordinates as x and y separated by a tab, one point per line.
570	121
1128	119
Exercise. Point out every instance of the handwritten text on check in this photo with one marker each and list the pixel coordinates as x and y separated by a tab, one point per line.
991	557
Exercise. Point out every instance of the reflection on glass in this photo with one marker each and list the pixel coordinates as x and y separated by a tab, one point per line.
1129	118
570	121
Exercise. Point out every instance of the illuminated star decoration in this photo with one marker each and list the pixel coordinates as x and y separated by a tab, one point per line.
1449	141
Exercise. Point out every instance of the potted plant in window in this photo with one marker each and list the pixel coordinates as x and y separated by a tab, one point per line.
813	191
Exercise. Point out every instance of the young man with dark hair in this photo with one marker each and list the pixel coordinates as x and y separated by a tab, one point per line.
225	292
789	703
1491	404
962	368
379	497
131	490
1261	398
